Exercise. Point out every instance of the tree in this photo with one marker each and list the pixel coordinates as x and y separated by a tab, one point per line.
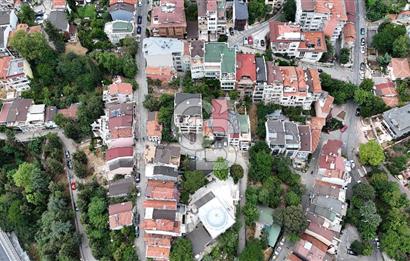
364	191
221	169
253	251
261	166
330	53
80	164
55	36
292	199
369	220
26	15
181	250
250	211
371	153
233	95
293	219
367	85
35	184
33	47
344	55
97	213
236	171
384	60
357	247
401	46
257	10
193	180
289	9
387	34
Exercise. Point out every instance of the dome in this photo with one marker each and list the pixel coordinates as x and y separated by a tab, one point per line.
217	218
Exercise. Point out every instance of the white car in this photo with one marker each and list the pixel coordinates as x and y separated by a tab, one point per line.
140	3
362	49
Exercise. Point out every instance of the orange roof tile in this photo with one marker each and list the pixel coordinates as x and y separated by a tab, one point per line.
4	66
317	123
120	88
59	3
391	101
245	66
160	204
121	133
166	18
154	129
349	32
162	190
315	139
70	112
400	67
161	225
157	240
292	257
314	73
119	152
120	214
328	104
164	74
158	253
313	40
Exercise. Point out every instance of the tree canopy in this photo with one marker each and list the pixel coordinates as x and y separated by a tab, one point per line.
221	169
181	250
371	153
253	251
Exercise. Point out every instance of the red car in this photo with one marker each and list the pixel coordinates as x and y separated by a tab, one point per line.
73	185
343	129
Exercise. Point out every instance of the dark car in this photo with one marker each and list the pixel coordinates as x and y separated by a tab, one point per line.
362	31
139	20
350	252
67	154
262	43
362	66
357	112
139	30
320	70
138	177
362	41
137	231
69	164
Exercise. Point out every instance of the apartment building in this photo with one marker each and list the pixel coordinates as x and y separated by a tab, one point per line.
398	68
245	74
328	16
118	92
14	74
220	63
197	52
261	79
168	19
289	39
154	128
120	215
211	19
164	55
122	10
117	30
8	23
282	137
397	121
291	86
188	113
240	15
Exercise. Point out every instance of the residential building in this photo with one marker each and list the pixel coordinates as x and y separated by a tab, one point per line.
239	131
349	35
220	63
328	16
8	23
399	68
240	15
188	113
117	30
163	74
275	4
58	5
154	128
168	19
245	74
288	38
121	166
332	164
118	92
169	156
164	53
70	112
323	105
114	154
211	19
121	188
403	17
197	59
387	92
123	10
120	215
397	121
159	172
59	20
14	74
306	250
261	79
292	86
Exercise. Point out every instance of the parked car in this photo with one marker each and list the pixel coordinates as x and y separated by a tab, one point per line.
67	154
139	30
262	43
343	129
140	3
139	20
69	164
73	185
357	112
137	231
320	70
137	177
363	42
362	49
351	252
362	66
362	31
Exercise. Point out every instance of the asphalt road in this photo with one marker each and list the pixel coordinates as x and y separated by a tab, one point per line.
140	120
358	56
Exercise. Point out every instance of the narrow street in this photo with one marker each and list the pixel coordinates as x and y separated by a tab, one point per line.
140	121
358	56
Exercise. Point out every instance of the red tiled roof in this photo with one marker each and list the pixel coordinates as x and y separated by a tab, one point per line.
322	231
330	156
400	67
391	101
317	243
167	18
157	240
158	253
278	29
59	3
317	123
164	74
114	153
5	111
120	122
70	112
131	2
120	214
292	257
154	129
121	133
161	225
162	190
305	138
350	10
220	115
314	74
328	104
120	88
4	66
309	251
349	32
245	66
160	204
314	41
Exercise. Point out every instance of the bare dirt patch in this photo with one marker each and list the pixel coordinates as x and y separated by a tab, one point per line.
96	162
75	48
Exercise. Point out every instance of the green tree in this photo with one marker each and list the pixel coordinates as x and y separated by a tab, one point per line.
371	153
250	211
97	213
344	55
292	199
289	9
369	220
384	60
401	46
35	184
386	36
293	219
357	247
253	251
26	15
367	85
193	180
257	10
236	171
33	47
80	164
221	169
330	53
261	166
181	250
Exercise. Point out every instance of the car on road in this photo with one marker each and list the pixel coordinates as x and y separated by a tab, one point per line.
39	20
362	49
73	185
351	252
69	164
140	3
138	177
343	129
139	19
139	30
320	70
137	231
362	42
262	43
357	112
362	31
362	66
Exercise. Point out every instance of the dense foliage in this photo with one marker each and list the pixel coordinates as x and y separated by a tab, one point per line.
369	103
221	169
393	39
344	56
289	9
26	15
371	153
191	182
258	10
253	251
33	200
236	172
340	90
377	9
181	250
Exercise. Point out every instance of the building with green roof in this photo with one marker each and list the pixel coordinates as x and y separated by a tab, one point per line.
117	30
220	63
265	224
